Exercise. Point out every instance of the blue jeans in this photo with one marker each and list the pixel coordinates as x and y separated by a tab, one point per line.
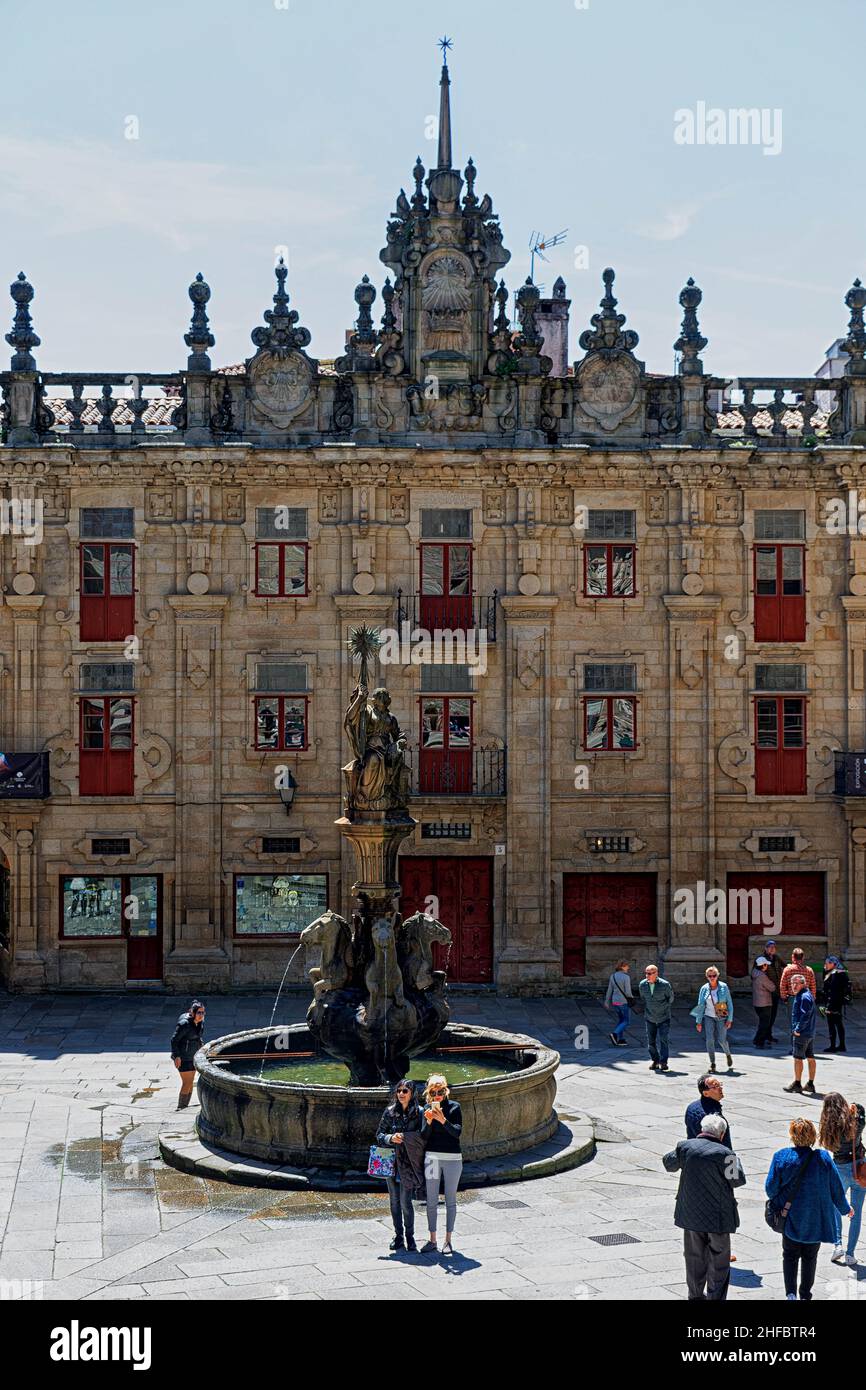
402	1210
715	1035
856	1195
624	1018
657	1040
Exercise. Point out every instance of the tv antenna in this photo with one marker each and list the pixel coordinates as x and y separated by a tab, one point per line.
538	244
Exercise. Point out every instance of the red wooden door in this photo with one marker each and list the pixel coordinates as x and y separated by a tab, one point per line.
604	905
107	592
446	587
802	912
780	593
446	745
464	890
780	746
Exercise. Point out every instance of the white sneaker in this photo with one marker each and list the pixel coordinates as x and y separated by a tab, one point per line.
851	1261
838	1256
791	1297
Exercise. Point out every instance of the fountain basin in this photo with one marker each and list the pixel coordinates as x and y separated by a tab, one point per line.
332	1127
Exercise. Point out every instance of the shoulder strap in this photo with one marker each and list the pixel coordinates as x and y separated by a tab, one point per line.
800	1176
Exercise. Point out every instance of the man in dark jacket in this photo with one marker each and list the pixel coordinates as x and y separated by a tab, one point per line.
711	1093
804	1017
774	971
836	994
185	1043
658	997
706	1209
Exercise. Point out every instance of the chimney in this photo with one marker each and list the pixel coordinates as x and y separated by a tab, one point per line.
552	321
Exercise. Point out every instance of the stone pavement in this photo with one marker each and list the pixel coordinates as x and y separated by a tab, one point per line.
88	1210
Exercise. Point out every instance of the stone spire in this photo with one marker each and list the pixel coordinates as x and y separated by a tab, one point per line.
199	338
22	338
444	158
691	341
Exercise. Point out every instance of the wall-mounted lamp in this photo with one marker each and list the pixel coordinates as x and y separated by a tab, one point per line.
287	793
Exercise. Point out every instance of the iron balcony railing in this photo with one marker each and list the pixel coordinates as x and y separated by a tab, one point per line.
449	613
457	772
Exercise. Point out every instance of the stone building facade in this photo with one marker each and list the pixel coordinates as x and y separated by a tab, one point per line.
647	636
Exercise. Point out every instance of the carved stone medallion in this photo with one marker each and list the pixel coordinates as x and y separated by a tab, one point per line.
280	387
609	388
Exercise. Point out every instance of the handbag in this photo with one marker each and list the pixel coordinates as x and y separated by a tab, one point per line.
858	1165
776	1217
381	1162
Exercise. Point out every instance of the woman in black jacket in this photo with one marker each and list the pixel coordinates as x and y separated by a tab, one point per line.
185	1043
443	1160
835	995
400	1118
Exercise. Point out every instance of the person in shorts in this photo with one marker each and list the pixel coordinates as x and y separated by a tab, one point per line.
804	1018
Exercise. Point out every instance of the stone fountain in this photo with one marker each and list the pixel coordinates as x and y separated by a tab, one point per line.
377	1002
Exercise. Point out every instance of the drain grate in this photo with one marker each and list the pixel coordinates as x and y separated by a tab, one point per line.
509	1205
616	1238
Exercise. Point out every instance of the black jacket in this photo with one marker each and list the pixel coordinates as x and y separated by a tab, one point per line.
186	1041
397	1120
705	1198
705	1105
843	1153
835	991
444	1139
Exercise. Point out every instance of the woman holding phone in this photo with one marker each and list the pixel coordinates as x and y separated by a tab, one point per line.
441	1127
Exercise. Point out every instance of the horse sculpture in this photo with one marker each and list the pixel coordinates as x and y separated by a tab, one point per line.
415	940
333	933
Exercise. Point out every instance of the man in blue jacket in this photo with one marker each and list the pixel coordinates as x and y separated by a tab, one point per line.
804	1018
709	1102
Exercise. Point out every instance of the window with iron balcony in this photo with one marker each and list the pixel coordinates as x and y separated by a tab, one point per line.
445	569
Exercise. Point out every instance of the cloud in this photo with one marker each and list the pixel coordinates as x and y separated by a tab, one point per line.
676	220
80	186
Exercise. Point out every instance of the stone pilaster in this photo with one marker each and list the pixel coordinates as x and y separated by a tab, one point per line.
689	949
25	967
529	955
25	695
200	955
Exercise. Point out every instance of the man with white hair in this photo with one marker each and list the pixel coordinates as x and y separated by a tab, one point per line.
706	1208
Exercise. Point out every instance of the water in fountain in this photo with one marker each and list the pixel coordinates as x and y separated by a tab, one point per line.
277	1000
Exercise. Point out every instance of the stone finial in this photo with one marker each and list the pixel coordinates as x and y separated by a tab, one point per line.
606	333
559	288
389	320
22	338
365	294
199	338
855	343
690	342
281	336
501	323
389	354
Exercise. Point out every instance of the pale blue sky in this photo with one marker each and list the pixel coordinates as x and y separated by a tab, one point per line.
262	126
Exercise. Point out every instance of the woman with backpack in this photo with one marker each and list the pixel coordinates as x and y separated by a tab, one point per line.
805	1193
617	1000
836	994
841	1134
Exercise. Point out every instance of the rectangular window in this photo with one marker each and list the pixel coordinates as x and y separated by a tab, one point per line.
109	847
609	571
281	844
611	525
780	746
609	844
280	711
438	830
100	905
444	679
281	566
780	677
107	612
278	904
108	677
106	523
780	589
443	521
609	676
780	526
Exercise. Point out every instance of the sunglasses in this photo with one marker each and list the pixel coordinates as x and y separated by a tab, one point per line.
436	1093
404	1090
